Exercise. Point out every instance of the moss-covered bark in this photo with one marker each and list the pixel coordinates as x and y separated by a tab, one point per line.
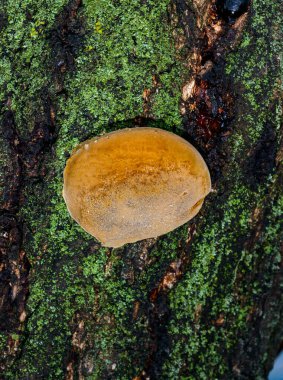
202	302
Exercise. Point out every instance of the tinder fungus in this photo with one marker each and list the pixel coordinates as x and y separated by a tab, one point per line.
134	184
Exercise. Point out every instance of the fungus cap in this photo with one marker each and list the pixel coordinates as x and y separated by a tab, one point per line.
134	184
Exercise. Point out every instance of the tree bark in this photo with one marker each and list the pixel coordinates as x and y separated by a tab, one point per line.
202	302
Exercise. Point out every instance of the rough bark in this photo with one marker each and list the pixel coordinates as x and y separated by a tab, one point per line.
202	302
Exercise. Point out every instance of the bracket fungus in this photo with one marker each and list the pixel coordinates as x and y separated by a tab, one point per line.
134	184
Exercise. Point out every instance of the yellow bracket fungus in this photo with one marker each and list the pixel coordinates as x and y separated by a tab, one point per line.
134	184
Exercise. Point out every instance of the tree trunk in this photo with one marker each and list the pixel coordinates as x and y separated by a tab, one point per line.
202	302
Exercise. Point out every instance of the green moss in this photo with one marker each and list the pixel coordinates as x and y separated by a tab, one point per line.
211	290
210	287
117	66
24	55
3	341
255	70
122	45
